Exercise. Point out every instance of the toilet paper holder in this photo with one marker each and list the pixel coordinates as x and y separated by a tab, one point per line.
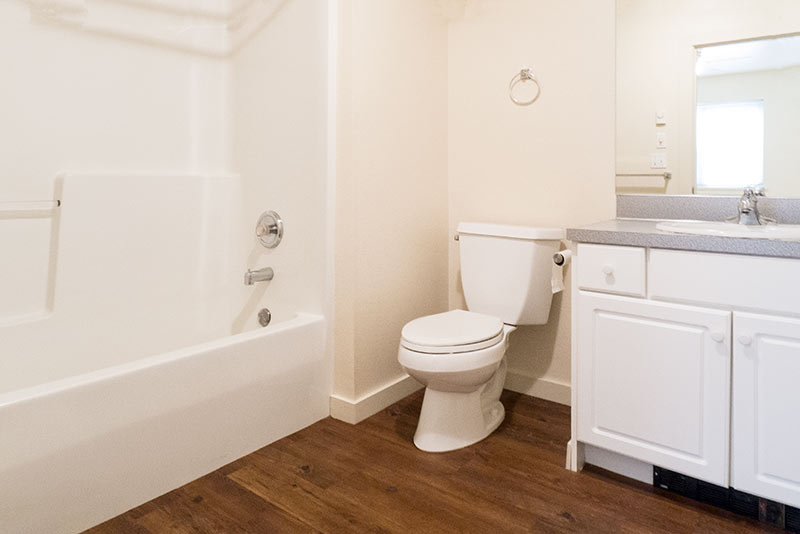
560	259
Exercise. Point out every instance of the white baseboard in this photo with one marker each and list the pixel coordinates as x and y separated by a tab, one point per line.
355	411
542	388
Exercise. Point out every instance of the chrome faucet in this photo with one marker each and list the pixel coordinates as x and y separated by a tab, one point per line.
748	208
260	275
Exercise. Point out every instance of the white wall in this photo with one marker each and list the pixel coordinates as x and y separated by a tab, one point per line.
391	210
548	164
778	89
427	137
655	70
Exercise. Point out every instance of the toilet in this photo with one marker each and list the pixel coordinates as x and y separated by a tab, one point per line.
507	276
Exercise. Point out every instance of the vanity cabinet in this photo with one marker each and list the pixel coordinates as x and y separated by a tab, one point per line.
693	365
766	407
653	382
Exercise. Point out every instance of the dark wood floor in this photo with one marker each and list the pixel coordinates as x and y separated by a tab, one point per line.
334	477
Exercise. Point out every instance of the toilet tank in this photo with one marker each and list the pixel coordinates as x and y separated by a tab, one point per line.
506	271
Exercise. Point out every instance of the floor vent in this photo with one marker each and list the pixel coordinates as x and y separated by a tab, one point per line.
776	514
793	519
743	503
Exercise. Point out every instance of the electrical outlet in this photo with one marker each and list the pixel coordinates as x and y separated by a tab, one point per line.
658	160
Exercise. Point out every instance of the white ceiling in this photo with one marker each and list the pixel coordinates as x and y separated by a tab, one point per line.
748	56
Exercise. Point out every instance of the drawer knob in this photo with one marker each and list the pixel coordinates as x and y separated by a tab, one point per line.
746	340
608	269
719	337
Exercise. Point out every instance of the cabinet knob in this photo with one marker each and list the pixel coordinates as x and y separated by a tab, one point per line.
719	337
608	269
745	340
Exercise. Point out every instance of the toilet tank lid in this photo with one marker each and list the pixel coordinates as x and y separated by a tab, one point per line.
516	232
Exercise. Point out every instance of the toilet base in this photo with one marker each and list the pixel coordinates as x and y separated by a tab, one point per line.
454	420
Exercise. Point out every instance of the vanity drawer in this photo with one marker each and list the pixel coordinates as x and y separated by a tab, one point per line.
746	282
619	270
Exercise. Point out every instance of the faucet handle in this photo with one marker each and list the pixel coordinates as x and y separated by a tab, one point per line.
756	191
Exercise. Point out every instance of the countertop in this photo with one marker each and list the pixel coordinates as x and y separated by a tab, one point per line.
643	233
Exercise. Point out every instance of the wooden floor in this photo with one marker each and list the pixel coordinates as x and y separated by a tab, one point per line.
334	477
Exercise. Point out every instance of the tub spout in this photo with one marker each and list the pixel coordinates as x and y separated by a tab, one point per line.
259	275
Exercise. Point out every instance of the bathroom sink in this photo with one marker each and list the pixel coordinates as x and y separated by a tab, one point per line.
786	232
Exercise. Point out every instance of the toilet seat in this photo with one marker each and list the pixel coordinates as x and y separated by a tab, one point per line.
452	332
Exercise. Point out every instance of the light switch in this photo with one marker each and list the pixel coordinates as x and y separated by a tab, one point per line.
661	117
661	140
658	160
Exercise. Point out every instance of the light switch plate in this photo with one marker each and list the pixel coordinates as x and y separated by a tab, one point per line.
661	140
658	160
661	117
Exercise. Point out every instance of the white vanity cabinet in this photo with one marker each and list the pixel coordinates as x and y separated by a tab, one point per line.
691	361
766	407
653	382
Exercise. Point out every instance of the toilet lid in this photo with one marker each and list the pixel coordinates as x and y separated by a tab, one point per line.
453	331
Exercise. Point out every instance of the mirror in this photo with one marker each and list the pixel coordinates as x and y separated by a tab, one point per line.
708	91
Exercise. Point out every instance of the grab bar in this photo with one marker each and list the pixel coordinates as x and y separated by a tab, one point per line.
28	205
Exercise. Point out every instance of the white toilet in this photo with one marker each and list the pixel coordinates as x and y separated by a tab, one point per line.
506	272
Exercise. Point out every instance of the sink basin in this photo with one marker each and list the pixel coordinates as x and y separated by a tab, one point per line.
786	232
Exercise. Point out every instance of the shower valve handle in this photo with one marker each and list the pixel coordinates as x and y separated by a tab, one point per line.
269	229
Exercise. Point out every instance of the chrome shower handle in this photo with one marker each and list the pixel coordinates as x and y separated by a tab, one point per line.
269	229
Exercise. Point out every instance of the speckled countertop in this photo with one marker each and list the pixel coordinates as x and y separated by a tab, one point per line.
643	233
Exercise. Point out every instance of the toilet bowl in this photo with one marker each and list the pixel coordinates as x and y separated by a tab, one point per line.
463	370
459	355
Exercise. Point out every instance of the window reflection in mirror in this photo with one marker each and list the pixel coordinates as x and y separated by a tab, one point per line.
729	143
712	87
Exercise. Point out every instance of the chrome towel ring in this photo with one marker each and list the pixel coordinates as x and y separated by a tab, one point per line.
525	75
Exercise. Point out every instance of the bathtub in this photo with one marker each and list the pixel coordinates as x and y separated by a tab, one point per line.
79	450
133	362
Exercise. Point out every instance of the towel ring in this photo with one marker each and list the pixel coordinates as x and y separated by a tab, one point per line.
525	75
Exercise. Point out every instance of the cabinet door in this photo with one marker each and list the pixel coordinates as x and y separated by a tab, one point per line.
766	407
654	382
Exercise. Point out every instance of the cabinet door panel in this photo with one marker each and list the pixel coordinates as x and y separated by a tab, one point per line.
653	382
766	407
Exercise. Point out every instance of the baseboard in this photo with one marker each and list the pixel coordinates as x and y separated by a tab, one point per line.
355	411
542	388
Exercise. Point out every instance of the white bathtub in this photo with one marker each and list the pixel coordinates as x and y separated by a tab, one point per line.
77	451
